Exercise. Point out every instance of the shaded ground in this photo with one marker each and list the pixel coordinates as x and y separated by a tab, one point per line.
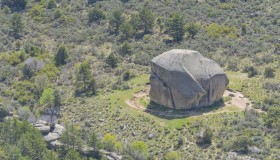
236	102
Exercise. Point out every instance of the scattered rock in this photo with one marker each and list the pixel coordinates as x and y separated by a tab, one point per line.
123	127
231	95
55	144
184	79
101	120
255	149
150	136
133	134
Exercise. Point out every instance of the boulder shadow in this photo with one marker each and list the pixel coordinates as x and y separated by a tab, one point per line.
167	113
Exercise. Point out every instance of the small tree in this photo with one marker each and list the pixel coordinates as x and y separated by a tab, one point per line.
147	19
135	22
112	61
127	30
116	21
175	27
126	49
85	82
95	15
192	29
17	25
61	56
48	98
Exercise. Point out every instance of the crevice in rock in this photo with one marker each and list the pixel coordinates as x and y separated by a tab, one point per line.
172	98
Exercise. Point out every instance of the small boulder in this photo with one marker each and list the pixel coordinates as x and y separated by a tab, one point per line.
55	144
151	136
44	129
51	137
58	129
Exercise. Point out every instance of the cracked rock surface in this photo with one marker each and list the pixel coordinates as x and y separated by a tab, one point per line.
184	79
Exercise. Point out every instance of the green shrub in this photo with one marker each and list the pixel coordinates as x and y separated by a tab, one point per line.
241	144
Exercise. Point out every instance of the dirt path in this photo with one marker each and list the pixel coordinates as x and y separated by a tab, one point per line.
237	99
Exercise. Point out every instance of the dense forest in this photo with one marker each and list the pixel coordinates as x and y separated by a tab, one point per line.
82	59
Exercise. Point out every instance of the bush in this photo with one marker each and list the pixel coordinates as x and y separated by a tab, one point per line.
139	150
3	112
269	72
252	71
95	15
172	155
241	144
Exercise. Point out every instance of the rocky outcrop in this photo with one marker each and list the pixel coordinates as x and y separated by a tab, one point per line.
51	133
184	79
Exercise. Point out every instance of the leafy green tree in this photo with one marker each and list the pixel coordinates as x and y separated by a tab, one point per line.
139	150
48	98
172	155
110	142
116	21
126	49
61	56
112	61
127	75
175	27
95	15
192	29
147	19
241	144
85	82
17	26
15	4
127	30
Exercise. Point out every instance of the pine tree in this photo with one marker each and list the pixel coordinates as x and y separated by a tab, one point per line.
126	48
17	26
192	29
112	60
126	30
61	56
175	27
85	82
116	21
147	20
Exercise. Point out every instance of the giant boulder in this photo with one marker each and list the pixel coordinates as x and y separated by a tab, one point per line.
184	79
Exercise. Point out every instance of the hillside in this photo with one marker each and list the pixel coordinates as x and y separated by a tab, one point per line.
87	61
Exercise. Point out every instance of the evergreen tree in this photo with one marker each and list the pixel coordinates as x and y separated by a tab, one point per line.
147	20
51	4
61	56
175	27
95	15
126	30
17	26
15	4
85	82
112	60
126	49
116	20
135	22
192	29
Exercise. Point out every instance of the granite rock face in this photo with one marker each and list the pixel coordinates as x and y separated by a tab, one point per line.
184	79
